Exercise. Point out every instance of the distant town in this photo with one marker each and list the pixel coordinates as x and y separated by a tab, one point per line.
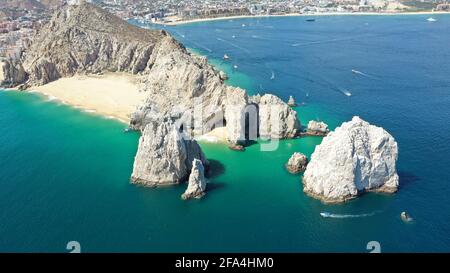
19	19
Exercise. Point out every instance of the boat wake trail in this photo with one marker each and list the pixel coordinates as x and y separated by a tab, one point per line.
193	42
179	34
233	45
343	216
363	74
201	46
322	42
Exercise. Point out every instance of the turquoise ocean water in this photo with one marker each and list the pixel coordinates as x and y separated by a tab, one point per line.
64	173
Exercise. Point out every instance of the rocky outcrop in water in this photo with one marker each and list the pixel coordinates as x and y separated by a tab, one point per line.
223	76
197	181
317	128
355	158
291	102
297	163
276	119
164	156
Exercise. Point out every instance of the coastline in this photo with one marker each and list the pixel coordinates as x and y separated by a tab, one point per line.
112	95
183	22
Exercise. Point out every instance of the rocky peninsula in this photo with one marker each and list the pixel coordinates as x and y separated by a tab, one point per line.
184	96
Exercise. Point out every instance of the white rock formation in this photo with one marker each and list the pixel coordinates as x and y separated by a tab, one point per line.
223	76
236	103
291	102
356	157
297	163
317	128
276	119
255	99
197	181
164	156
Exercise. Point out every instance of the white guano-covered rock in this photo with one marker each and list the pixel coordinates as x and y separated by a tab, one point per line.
197	181
355	158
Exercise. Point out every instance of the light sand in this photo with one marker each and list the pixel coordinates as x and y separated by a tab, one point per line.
112	95
216	135
179	21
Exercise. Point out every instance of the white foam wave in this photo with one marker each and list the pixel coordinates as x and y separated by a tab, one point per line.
343	216
362	74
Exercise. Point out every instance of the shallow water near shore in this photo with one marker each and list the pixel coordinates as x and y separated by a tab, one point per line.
65	173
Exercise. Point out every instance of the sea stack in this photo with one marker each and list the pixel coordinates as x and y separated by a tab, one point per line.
357	157
276	119
197	181
297	163
291	102
317	128
164	155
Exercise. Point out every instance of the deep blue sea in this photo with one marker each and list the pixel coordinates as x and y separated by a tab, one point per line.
64	174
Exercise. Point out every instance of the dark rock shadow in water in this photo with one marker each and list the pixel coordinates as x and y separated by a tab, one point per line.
216	168
214	186
249	143
406	178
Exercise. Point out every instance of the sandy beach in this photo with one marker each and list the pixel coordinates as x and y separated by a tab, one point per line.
177	21
113	95
217	135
